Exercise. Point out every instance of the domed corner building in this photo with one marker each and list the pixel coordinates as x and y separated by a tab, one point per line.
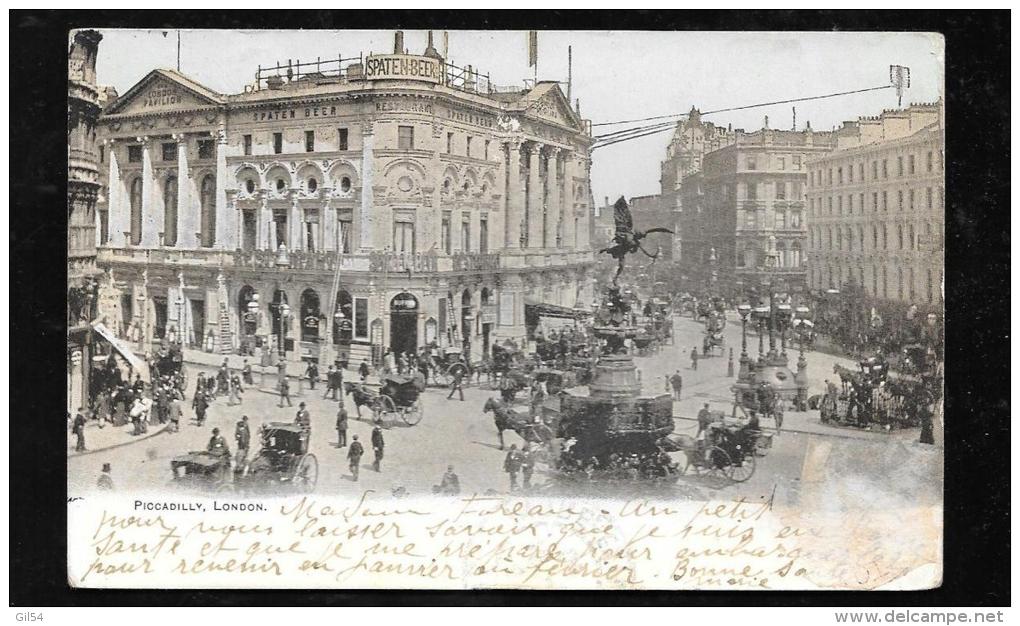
341	208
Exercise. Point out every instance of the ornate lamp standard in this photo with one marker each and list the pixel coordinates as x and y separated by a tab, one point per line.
744	310
182	334
283	311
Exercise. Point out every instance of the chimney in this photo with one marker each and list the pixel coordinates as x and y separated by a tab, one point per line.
398	42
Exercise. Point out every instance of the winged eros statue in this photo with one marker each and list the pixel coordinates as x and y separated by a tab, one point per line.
627	240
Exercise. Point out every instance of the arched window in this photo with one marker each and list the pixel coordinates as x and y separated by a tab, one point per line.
135	197
170	211
781	255
795	257
207	197
343	320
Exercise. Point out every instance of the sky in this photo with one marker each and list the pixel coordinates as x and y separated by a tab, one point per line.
617	75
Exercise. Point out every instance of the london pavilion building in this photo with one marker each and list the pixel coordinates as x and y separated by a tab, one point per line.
340	208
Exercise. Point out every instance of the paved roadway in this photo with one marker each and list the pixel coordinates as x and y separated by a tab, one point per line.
458	433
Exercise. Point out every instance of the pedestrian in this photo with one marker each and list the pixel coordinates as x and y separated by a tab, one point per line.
341	427
217	444
103	408
363	370
175	416
312	373
694	358
677	381
235	390
200	386
223	379
285	391
354	456
201	403
242	435
457	385
330	383
512	465
527	465
449	485
401	363
78	428
105	482
704	420
136	415
377	446
304	420
246	373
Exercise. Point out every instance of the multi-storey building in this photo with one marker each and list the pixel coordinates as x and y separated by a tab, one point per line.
389	201
691	140
650	212
875	207
82	188
747	204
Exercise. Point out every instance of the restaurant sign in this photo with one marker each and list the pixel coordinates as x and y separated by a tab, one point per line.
405	67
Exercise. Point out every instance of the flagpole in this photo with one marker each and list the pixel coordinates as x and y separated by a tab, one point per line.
178	49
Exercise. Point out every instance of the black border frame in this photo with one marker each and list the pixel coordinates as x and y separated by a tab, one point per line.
977	501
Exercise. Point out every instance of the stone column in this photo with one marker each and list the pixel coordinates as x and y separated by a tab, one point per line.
514	213
535	218
296	223
187	213
553	210
363	217
119	211
583	234
265	222
568	214
75	393
152	212
328	225
226	214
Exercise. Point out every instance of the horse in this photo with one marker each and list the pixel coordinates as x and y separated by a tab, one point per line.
506	418
361	395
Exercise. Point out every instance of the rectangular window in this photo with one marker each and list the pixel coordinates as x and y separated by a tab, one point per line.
899	166
796	191
796	162
247	145
403	237
781	219
840	175
860	203
169	151
346	227
927	193
486	157
860	171
910	164
874	170
885	168
134	154
830	177
483	235
104	227
830	204
449	143
361	318
206	149
465	235
782	163
750	218
309	141
850	173
795	219
874	201
885	200
899	199
405	137
444	235
911	198
752	191
341	139
277	143
751	164
839	204
102	154
467	148
930	162
780	191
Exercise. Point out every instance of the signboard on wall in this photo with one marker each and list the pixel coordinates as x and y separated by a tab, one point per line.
506	309
405	67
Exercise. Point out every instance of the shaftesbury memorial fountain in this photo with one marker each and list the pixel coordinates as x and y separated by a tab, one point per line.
613	428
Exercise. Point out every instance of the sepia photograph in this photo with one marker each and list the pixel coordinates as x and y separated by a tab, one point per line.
510	309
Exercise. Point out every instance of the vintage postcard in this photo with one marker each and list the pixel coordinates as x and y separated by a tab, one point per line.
505	309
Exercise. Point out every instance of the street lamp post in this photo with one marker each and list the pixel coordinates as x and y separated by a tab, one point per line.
283	310
744	310
182	336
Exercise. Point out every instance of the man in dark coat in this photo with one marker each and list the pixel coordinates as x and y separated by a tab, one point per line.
457	385
312	372
354	454
217	444
330	383
363	370
694	358
175	416
242	435
341	427
677	382
377	446
246	373
527	465
704	420
201	403
285	391
512	465
78	428
304	420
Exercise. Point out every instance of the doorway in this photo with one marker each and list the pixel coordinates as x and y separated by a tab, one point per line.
197	323
404	323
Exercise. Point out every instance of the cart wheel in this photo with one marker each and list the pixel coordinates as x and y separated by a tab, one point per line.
717	463
412	414
306	474
742	470
382	406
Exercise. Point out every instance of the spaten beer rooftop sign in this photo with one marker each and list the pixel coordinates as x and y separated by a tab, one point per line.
404	67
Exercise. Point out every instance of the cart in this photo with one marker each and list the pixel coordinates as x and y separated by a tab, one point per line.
283	462
447	367
201	469
727	451
399	396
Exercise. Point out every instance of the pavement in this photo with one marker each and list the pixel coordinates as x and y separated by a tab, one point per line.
460	434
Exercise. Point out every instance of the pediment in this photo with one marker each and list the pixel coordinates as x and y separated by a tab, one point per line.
161	92
553	106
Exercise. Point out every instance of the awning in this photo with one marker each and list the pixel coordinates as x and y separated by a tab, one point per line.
141	367
543	309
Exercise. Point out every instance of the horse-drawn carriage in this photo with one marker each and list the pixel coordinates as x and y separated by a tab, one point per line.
645	342
282	462
728	450
555	380
758	399
450	363
874	395
715	323
209	471
397	396
510	371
